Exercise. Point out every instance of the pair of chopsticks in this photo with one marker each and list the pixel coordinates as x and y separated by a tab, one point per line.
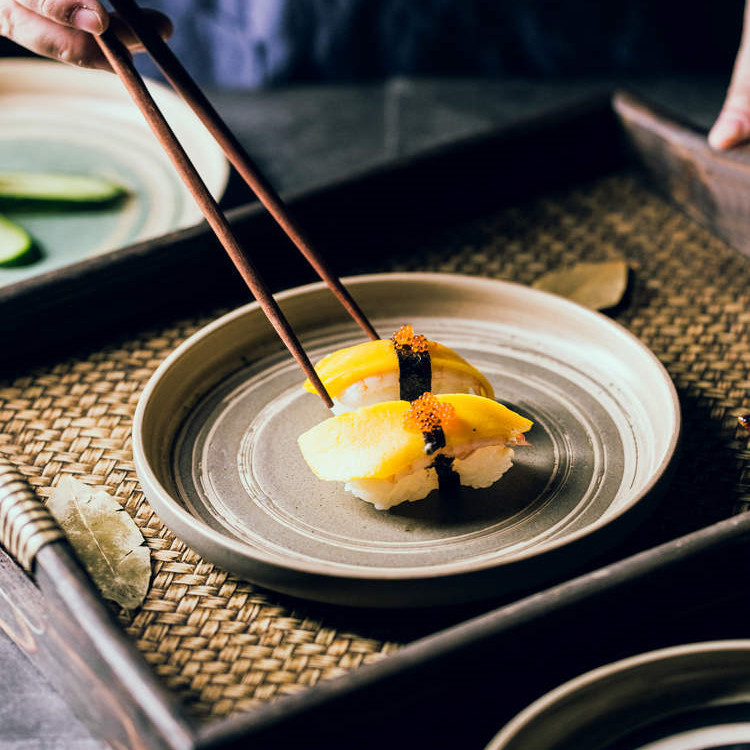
119	58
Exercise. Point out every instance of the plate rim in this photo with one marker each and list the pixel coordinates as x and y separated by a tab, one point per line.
169	506
589	678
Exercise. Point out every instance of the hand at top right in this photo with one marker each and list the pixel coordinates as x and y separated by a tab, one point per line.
732	126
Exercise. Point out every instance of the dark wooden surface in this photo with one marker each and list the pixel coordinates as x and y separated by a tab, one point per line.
65	629
712	187
97	668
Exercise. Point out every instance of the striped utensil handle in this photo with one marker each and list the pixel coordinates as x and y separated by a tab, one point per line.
25	523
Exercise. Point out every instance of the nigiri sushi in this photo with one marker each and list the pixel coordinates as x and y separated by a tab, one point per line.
395	451
402	367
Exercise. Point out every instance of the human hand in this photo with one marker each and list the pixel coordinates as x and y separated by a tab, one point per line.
62	29
732	126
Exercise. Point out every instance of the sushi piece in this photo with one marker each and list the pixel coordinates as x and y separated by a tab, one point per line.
401	368
396	451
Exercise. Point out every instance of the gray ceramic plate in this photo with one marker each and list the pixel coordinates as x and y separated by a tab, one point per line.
691	697
216	429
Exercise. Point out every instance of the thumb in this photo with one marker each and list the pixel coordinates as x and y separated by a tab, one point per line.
732	126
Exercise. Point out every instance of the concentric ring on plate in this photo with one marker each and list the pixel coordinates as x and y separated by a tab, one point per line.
216	428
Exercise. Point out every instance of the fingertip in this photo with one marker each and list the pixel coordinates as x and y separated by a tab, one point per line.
87	19
730	129
723	134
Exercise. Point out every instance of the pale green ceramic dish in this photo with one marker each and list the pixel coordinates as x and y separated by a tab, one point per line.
57	118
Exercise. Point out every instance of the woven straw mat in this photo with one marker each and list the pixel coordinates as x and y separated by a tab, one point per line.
224	646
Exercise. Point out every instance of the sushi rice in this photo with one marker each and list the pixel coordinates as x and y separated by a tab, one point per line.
385	462
482	467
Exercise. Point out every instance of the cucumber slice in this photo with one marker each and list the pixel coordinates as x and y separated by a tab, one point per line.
53	186
16	244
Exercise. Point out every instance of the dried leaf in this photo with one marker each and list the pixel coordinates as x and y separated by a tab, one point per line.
106	539
595	285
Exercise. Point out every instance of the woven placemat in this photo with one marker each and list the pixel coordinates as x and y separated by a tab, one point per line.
223	645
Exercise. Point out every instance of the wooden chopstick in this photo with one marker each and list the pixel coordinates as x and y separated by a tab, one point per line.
186	87
119	58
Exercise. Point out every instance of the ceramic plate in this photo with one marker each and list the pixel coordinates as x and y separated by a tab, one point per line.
55	117
691	697
216	429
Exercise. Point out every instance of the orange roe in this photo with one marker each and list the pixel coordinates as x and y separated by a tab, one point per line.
427	414
405	338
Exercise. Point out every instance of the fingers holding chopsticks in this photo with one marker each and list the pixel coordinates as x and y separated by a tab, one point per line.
62	29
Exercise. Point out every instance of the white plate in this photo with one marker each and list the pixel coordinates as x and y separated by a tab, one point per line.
216	427
56	117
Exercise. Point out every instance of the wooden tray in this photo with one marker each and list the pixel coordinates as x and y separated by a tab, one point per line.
211	661
125	287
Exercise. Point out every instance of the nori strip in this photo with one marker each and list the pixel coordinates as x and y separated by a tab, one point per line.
414	373
449	482
433	440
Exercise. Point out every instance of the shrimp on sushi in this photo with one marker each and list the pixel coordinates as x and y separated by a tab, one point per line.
402	367
395	451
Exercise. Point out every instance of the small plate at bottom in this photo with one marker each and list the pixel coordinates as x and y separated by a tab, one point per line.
215	446
690	697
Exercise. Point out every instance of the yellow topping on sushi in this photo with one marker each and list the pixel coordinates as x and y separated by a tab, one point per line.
427	413
342	368
350	365
373	442
479	418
